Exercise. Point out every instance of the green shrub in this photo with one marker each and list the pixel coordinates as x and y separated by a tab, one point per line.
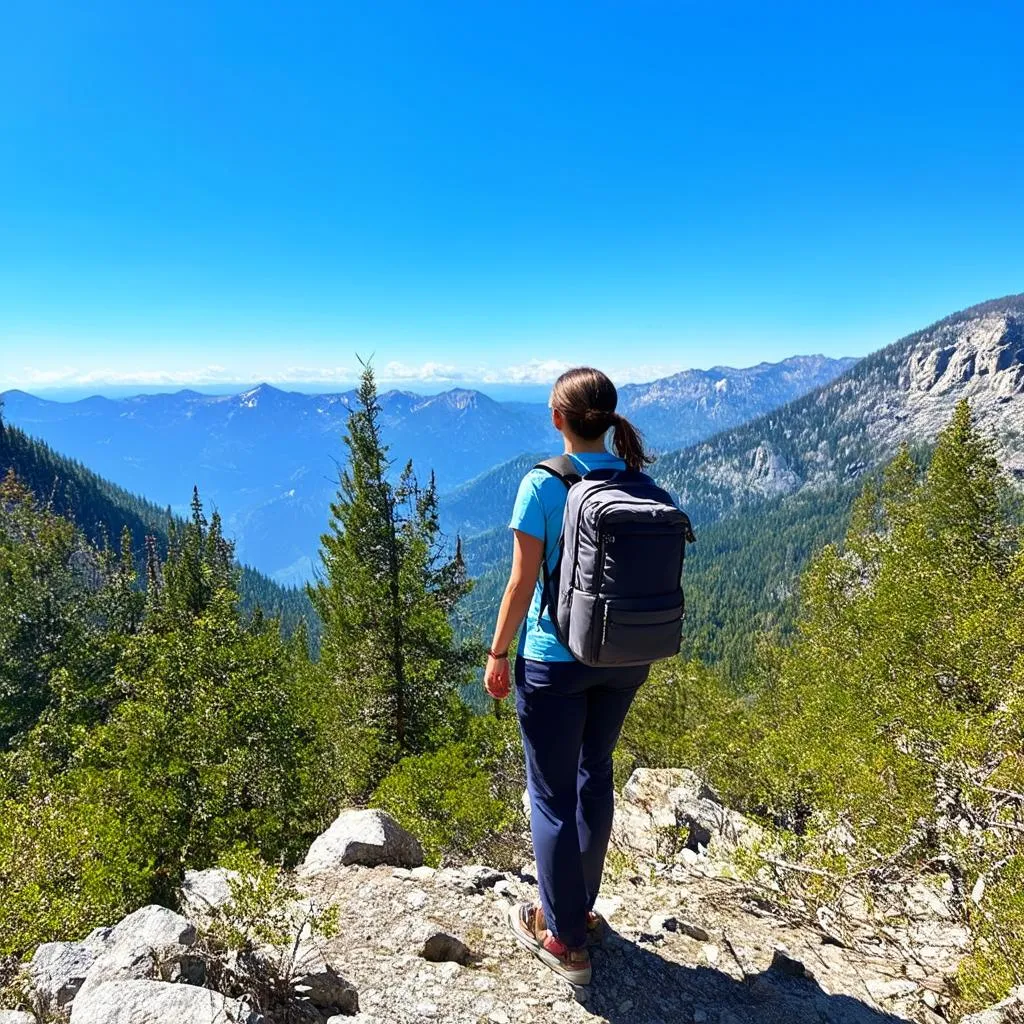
463	801
68	862
994	966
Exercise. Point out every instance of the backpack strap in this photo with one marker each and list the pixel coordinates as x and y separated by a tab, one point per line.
562	467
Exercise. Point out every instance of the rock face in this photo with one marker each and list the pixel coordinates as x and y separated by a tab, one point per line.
152	926
905	392
155	1002
153	943
362	837
58	970
664	812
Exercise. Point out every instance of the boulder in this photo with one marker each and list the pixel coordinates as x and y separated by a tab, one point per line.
1009	1011
152	926
58	970
124	962
16	1017
438	946
153	943
203	892
156	1002
368	837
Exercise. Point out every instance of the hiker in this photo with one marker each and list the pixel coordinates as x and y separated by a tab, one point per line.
575	677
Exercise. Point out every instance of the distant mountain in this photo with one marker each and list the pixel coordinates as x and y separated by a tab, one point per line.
685	408
102	510
905	392
267	458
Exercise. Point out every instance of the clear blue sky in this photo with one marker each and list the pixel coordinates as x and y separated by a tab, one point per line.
204	191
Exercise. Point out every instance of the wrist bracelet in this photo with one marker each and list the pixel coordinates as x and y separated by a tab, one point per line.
497	657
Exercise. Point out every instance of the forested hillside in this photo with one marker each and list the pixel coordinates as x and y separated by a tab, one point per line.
104	511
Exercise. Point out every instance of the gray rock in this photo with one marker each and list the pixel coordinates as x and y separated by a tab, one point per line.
156	1002
695	931
439	946
368	837
149	945
1009	1011
58	971
203	892
881	990
316	980
663	923
666	811
152	926
124	962
98	938
481	876
16	1017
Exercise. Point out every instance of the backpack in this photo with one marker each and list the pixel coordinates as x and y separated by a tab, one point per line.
615	595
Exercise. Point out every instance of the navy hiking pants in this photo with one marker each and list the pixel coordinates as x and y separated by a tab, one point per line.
570	717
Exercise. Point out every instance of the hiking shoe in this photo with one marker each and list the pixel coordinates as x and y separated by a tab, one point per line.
527	924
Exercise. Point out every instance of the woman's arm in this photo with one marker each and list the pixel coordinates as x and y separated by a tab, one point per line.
527	553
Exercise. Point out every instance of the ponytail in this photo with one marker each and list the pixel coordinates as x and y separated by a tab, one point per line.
587	398
629	444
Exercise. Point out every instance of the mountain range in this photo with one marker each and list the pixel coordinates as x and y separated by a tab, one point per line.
834	433
267	458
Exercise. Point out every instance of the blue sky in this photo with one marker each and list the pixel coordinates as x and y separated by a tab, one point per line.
204	192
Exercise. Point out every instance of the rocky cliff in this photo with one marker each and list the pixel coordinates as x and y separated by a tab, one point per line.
905	392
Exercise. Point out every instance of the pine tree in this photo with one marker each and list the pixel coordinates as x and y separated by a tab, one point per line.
384	597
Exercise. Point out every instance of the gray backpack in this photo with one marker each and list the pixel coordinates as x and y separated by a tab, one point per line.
615	596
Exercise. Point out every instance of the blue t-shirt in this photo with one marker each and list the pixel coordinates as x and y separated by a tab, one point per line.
538	512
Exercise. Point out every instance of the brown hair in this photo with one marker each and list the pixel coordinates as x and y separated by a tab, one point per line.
587	400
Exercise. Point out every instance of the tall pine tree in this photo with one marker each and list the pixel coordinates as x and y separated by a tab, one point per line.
384	596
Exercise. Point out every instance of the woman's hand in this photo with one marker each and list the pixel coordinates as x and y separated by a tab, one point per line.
496	678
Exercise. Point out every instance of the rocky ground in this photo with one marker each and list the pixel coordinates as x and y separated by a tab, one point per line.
687	944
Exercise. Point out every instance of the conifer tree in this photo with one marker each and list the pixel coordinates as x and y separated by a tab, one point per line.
384	598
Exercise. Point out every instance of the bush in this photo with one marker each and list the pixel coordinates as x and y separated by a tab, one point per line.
462	801
68	862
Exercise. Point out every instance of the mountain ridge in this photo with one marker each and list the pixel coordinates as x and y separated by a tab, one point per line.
708	479
905	391
266	457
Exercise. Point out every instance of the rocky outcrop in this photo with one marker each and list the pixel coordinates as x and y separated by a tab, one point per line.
367	837
204	892
685	943
906	392
670	813
152	944
58	970
152	1002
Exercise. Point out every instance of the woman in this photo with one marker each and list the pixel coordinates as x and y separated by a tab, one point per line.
570	715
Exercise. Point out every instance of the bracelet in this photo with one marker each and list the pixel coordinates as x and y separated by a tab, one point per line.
498	657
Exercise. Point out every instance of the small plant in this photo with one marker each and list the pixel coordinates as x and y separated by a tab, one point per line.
260	941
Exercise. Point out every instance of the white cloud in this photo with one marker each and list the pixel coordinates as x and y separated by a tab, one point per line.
536	371
533	372
442	373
